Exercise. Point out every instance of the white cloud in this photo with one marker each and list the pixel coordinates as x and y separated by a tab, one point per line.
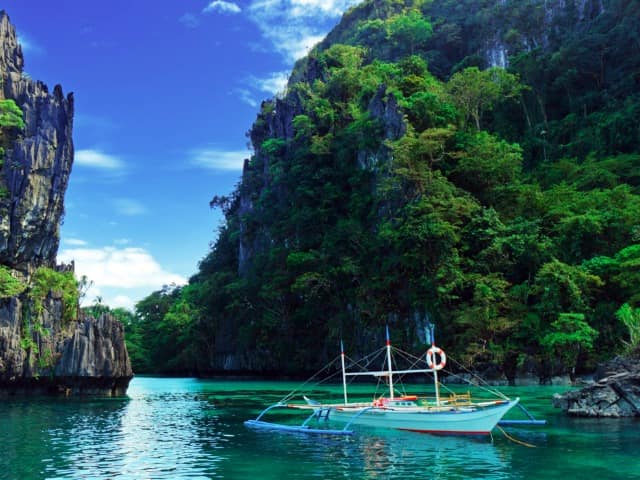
274	83
124	268
245	96
222	7
293	27
97	159
129	207
122	301
120	277
189	20
74	242
328	8
216	159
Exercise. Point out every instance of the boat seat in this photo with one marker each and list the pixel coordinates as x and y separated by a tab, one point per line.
459	399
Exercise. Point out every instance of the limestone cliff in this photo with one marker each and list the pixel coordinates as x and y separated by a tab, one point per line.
36	165
40	350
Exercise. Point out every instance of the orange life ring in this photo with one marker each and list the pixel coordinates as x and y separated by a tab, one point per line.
431	358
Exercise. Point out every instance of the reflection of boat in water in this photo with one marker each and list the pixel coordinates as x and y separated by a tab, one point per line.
410	456
383	453
455	414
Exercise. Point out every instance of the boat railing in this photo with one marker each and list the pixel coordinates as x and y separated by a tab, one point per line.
459	399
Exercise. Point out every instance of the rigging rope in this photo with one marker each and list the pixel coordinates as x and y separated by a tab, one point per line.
413	360
362	364
483	384
300	387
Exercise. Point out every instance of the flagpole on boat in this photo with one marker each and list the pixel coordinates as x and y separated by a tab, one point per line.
344	372
389	364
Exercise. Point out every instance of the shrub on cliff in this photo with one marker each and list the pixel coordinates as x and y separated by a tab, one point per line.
10	115
9	285
62	284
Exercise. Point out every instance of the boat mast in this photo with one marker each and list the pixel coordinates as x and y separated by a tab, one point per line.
389	364
430	337
344	373
435	378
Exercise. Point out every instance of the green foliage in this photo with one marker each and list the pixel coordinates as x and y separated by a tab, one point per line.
419	183
410	30
273	146
10	115
487	320
11	121
631	318
9	285
63	285
28	344
487	167
563	288
162	332
570	335
475	92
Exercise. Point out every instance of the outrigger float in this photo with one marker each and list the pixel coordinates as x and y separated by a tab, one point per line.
456	414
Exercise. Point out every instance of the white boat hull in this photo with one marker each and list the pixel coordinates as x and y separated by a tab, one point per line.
462	421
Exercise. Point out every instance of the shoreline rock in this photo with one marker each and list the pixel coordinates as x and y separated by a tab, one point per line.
87	357
615	392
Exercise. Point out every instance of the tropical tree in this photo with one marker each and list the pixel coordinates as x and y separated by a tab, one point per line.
569	336
475	92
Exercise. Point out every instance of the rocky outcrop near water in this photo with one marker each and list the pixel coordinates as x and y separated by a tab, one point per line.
44	349
614	393
87	356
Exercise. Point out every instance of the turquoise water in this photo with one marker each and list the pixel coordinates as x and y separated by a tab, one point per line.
189	428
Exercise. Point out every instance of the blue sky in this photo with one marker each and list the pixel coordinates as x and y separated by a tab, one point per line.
165	92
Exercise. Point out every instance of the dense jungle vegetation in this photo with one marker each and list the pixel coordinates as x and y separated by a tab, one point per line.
403	178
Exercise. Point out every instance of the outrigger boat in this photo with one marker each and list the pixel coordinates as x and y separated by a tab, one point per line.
456	414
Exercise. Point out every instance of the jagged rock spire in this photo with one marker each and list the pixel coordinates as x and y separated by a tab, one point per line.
35	169
11	59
